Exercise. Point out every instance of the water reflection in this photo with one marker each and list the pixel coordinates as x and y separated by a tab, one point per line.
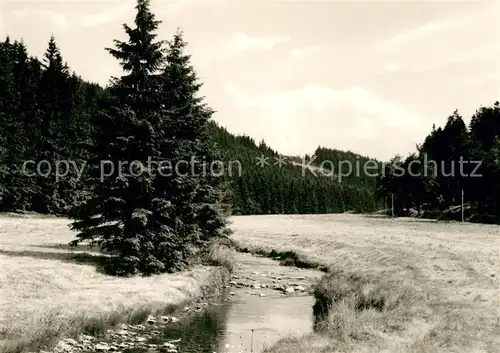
246	325
202	332
271	318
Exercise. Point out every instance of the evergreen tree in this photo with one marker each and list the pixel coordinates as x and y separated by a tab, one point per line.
153	218
196	189
125	214
52	102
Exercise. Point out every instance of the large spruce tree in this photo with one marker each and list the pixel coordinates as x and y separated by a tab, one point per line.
199	188
153	219
120	215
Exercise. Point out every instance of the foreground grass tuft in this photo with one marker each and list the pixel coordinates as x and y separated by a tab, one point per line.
220	253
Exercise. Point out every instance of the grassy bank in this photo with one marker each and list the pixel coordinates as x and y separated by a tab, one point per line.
393	285
286	258
49	290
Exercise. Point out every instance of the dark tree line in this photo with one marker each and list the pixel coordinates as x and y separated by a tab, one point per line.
45	115
452	159
350	167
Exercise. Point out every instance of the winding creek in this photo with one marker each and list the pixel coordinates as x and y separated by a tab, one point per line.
265	302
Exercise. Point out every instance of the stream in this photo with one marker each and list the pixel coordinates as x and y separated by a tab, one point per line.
267	302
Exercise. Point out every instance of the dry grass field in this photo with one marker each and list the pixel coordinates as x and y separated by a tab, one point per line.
438	282
48	290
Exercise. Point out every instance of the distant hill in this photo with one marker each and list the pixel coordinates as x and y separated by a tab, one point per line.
293	187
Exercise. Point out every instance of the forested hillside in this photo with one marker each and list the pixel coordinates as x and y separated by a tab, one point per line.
46	114
49	114
350	167
287	187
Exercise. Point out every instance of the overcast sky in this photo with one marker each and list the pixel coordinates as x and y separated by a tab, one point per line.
371	77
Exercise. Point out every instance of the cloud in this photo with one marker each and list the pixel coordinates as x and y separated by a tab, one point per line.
297	121
172	7
480	80
438	27
416	33
56	19
111	12
104	16
241	42
457	40
301	52
405	61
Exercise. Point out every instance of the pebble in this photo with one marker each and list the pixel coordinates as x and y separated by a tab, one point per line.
71	341
151	320
169	345
101	347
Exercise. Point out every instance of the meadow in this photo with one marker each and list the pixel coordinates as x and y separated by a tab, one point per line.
49	290
393	285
